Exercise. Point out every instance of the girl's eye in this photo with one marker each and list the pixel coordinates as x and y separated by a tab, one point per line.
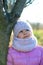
21	31
27	30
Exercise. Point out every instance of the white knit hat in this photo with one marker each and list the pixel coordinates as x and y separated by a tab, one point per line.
20	25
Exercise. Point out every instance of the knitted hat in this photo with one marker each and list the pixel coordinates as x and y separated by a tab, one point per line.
20	25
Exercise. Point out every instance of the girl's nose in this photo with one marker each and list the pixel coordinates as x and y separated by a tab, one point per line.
24	32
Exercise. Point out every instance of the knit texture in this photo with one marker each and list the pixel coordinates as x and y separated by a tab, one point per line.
20	25
25	45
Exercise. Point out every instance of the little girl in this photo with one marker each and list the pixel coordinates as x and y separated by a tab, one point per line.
24	50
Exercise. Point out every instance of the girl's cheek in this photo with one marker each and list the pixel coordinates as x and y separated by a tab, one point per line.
29	34
20	36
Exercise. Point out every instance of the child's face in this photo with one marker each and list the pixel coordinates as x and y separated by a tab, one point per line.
24	34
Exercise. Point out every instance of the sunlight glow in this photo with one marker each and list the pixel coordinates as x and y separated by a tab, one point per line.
33	12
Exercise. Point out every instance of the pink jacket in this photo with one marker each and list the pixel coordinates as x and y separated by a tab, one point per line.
34	57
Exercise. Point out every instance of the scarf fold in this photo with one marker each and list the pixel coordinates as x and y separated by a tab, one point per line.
25	45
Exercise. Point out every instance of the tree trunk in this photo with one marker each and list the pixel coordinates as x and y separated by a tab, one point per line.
6	28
